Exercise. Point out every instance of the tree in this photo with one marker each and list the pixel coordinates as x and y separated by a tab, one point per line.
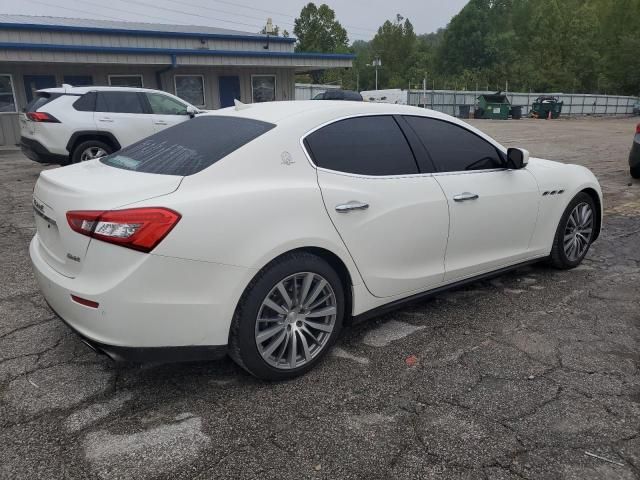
396	45
318	30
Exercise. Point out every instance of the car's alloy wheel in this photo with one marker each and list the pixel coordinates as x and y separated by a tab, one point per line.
92	153
288	317
578	231
575	232
295	320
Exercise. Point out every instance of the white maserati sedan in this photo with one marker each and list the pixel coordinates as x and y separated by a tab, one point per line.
259	229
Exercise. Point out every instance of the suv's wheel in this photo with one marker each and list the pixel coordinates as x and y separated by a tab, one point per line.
574	233
90	150
635	172
288	317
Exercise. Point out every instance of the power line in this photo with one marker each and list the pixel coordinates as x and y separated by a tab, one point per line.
93	14
285	14
162	18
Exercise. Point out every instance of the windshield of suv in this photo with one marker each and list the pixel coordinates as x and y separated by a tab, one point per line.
189	147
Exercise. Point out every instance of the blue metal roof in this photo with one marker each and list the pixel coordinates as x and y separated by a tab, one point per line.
59	24
173	51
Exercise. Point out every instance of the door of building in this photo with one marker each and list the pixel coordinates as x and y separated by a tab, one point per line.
229	90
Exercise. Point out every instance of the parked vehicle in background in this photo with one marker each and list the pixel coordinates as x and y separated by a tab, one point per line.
634	155
257	230
338	94
391	95
73	124
636	108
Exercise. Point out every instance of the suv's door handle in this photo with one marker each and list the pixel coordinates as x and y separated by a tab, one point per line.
352	205
462	197
160	122
106	119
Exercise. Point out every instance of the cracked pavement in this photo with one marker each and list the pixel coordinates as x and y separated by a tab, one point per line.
514	377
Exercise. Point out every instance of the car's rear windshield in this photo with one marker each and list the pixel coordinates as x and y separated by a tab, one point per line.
40	100
189	147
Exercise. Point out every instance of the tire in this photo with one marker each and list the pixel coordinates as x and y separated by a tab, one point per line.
290	272
635	172
82	148
567	258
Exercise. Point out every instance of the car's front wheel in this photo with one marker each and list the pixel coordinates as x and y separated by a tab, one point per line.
575	232
90	150
635	171
288	318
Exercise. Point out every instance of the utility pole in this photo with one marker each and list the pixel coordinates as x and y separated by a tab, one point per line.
424	92
377	63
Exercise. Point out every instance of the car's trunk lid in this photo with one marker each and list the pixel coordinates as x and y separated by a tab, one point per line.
86	186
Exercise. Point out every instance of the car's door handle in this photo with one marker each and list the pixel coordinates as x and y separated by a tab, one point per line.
352	205
106	119
463	197
160	122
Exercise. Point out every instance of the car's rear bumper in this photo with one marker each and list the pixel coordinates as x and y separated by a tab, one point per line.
142	317
34	150
151	354
634	155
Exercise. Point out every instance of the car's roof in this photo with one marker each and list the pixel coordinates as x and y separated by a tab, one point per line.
277	112
92	88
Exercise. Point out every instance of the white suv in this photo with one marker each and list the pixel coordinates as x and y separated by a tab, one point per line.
72	124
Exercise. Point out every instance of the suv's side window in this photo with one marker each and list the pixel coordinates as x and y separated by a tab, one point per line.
86	103
362	145
119	102
453	148
164	105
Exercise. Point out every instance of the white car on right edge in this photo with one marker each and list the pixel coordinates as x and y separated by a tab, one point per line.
257	230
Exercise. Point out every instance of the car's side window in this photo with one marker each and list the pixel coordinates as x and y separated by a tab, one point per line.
372	145
86	103
453	148
164	105
119	102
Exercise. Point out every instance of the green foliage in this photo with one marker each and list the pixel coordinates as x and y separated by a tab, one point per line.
318	30
586	46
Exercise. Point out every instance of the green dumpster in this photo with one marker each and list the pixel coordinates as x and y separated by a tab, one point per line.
545	105
494	106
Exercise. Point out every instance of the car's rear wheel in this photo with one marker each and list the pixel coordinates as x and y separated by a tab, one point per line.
575	232
288	318
90	150
635	172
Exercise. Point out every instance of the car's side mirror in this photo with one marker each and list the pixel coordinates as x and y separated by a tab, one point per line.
192	111
517	158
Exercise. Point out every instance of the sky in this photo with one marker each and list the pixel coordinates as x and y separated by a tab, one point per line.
361	18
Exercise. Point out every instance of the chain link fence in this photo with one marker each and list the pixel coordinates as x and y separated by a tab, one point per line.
450	101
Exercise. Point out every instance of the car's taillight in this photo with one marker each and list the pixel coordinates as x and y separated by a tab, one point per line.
138	228
638	128
42	117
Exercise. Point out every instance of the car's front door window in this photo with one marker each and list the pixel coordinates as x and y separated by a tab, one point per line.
453	148
164	105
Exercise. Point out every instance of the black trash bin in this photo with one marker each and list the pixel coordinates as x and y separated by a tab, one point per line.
463	111
516	112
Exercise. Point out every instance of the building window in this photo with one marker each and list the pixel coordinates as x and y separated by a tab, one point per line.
7	95
190	88
263	88
78	80
126	81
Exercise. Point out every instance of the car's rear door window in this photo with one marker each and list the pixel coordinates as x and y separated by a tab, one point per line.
371	145
120	102
188	147
453	148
